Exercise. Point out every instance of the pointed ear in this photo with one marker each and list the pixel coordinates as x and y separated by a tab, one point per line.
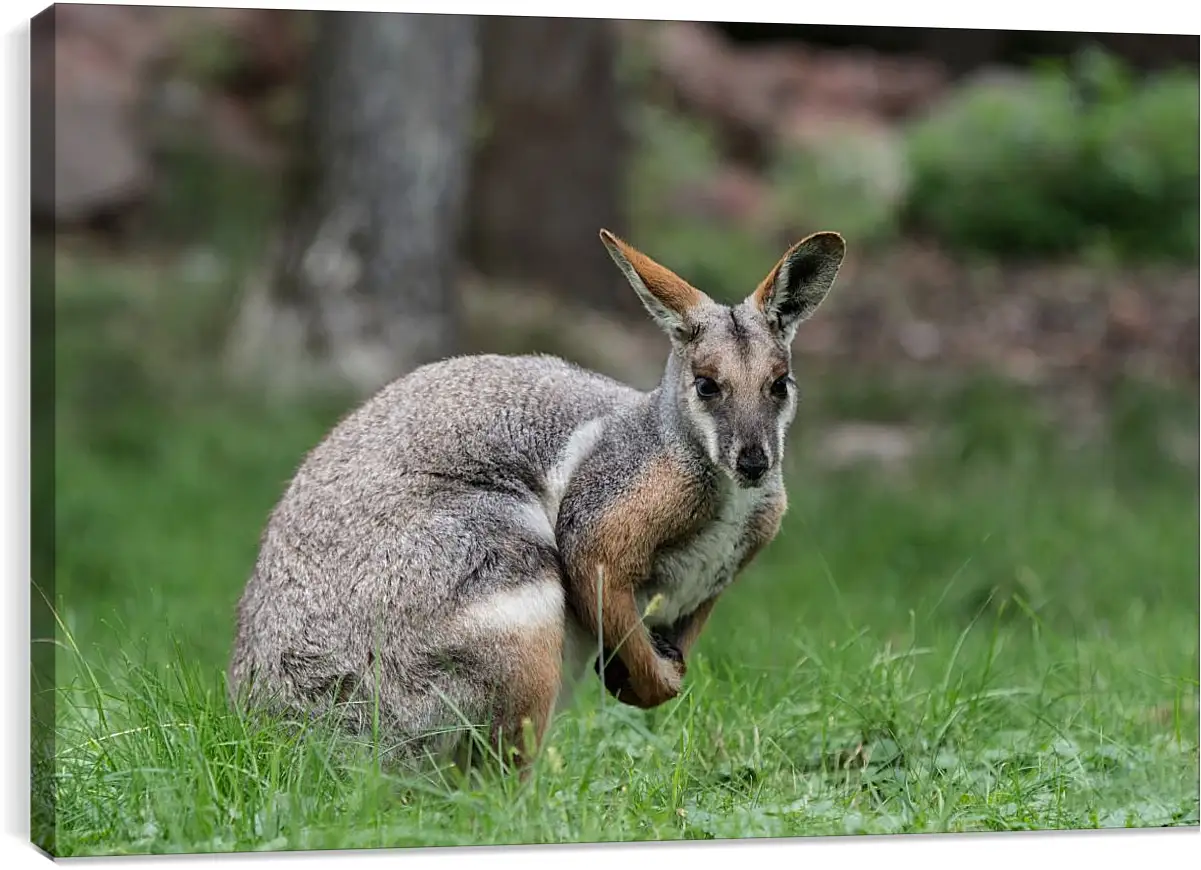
792	290
670	299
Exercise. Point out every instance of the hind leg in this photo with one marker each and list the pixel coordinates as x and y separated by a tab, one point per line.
519	634
528	697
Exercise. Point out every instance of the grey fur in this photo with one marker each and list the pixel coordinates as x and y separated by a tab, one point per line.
439	493
409	509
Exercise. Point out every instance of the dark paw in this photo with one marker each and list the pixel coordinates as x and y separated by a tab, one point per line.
667	649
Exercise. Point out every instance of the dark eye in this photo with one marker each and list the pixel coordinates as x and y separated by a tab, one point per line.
779	387
707	388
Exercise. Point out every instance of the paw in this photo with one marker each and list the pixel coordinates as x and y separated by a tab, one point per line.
667	685
616	675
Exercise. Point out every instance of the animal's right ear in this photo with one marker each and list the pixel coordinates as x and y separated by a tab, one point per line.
670	299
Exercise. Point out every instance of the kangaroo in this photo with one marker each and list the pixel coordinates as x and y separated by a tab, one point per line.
468	544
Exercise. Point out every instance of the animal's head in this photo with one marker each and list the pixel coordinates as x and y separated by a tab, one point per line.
730	370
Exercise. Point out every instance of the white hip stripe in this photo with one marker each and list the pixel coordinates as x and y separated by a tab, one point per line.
533	605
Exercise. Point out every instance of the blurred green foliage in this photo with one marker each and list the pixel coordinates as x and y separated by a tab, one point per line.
1079	158
674	152
855	181
1073	160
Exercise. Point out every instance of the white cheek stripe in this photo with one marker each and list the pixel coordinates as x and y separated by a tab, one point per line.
782	424
709	430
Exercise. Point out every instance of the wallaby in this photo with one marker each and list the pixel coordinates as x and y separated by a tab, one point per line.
482	532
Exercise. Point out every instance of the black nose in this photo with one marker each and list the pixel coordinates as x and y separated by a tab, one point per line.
752	462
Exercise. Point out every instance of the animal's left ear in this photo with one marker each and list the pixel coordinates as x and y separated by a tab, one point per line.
792	290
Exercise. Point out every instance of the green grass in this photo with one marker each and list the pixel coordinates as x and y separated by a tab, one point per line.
1003	635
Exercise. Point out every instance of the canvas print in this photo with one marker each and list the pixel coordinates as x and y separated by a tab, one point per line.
459	431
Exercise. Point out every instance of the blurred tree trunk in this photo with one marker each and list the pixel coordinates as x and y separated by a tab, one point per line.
361	288
550	172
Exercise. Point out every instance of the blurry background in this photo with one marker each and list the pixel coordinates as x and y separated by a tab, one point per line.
248	220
